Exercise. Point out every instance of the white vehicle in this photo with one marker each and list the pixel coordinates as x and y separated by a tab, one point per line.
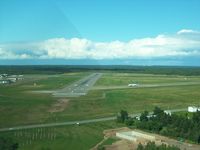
132	85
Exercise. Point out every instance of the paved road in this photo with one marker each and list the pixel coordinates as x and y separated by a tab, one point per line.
73	122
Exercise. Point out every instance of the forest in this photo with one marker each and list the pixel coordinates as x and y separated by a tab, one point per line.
56	69
182	127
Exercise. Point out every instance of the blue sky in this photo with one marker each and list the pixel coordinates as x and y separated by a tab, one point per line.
126	30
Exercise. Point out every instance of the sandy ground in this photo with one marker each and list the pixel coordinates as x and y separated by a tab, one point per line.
123	144
59	106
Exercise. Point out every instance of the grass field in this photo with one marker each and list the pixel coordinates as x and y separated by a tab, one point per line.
74	137
18	105
112	79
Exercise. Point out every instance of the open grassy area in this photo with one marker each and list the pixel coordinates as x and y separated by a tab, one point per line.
112	79
19	106
109	102
108	141
73	137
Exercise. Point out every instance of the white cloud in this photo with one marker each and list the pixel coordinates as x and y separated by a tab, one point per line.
183	43
188	31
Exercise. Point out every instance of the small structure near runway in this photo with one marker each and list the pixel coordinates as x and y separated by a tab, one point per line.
135	136
193	109
132	85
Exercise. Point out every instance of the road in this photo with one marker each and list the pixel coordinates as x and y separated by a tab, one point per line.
74	122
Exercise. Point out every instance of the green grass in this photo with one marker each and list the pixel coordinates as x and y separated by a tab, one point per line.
113	79
108	141
19	106
72	137
109	102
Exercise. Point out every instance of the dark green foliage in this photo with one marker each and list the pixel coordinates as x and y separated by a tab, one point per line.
196	117
54	69
6	143
153	146
140	147
144	116
174	126
158	111
129	121
122	116
101	148
168	125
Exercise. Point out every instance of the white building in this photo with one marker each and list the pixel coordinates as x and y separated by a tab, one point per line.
135	136
12	79
4	81
193	109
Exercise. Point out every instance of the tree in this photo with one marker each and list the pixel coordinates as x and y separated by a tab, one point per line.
144	116
6	143
140	147
153	146
129	121
196	117
158	111
122	116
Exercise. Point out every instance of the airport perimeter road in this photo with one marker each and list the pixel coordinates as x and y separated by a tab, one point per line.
74	122
78	88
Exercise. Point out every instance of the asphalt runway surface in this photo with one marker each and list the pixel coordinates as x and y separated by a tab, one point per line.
78	88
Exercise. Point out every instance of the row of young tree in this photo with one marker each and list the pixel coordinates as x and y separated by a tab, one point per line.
178	126
153	146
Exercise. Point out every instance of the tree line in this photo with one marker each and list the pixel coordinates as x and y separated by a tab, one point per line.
56	69
153	146
177	126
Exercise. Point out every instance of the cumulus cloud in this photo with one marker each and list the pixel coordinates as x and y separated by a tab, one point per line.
183	43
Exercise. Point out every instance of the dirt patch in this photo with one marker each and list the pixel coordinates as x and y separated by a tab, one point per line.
122	145
108	134
59	106
112	132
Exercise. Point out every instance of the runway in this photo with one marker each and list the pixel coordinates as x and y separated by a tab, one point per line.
78	88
